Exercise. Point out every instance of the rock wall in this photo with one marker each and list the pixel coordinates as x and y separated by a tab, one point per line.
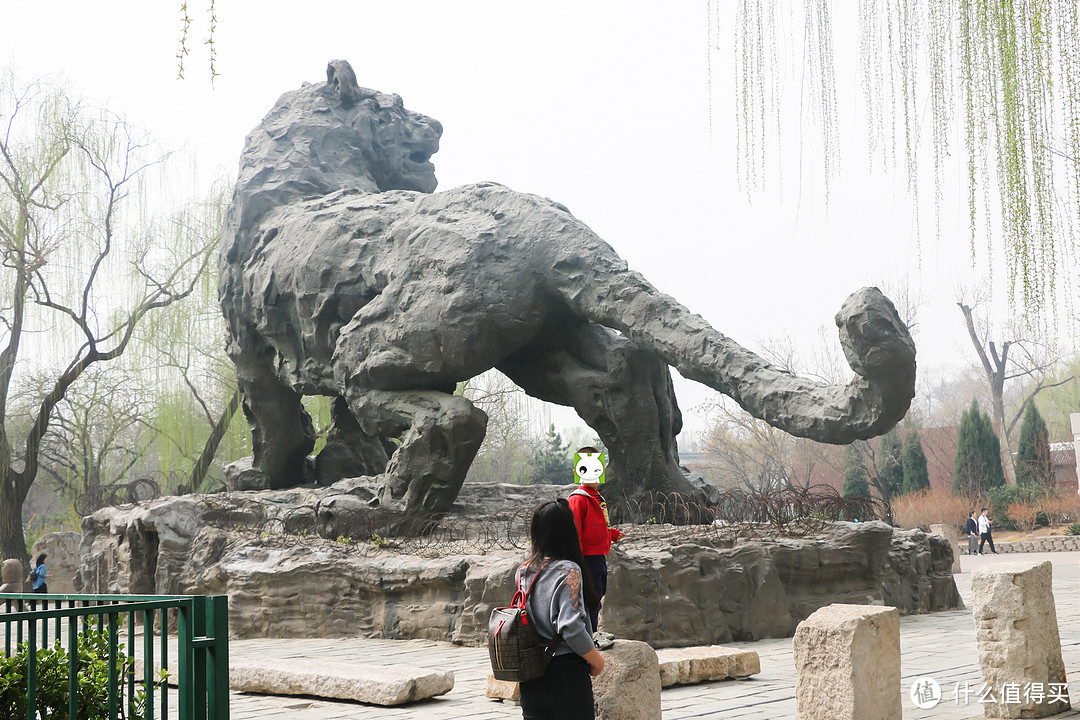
918	577
62	549
683	595
764	588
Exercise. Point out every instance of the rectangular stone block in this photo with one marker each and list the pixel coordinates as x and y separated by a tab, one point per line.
1019	646
629	687
847	664
690	665
502	689
375	684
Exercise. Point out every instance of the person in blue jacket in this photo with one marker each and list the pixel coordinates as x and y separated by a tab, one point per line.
38	575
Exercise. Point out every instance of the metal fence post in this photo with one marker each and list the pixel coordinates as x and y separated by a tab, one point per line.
218	679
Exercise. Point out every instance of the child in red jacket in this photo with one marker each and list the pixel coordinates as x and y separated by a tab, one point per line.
591	517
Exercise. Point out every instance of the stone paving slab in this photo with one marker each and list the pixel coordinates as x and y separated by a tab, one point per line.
391	684
939	645
692	665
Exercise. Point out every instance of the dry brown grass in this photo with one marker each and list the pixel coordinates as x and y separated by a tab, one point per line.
926	507
1024	515
1061	509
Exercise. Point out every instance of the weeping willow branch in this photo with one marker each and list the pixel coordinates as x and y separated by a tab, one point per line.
185	30
1006	74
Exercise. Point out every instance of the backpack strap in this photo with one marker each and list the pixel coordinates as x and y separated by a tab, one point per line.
525	595
550	647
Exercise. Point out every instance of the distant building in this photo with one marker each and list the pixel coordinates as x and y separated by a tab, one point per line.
1063	459
821	463
1075	420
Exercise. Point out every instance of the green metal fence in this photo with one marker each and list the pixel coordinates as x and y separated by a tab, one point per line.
199	672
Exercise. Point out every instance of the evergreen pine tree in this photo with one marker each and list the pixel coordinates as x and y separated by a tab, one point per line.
977	466
854	474
554	463
1034	467
888	459
913	461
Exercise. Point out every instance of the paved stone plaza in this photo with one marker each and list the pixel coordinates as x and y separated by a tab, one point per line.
941	646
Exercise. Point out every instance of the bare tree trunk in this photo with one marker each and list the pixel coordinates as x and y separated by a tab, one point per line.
995	378
202	465
12	541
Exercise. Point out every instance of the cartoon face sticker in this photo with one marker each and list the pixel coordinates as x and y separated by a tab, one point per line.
589	467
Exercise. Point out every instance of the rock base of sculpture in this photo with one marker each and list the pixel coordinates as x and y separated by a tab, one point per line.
847	662
320	588
1019	646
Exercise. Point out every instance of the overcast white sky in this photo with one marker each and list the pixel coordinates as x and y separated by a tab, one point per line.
603	106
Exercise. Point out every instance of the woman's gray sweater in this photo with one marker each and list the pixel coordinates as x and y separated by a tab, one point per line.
556	604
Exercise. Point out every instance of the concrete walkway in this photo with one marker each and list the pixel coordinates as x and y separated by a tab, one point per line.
941	646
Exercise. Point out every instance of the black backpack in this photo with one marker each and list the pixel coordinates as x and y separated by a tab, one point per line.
517	653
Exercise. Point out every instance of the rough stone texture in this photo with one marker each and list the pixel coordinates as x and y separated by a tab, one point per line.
375	684
691	665
952	536
323	589
693	595
1017	631
678	666
502	689
63	561
12	576
629	687
919	574
847	664
342	274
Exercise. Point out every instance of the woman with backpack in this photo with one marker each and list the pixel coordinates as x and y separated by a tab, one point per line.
558	603
37	575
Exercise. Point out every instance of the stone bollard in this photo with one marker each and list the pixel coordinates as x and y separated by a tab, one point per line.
11	576
629	687
1019	646
951	534
847	664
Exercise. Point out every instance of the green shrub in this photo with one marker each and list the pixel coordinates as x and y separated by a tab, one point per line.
1000	498
1073	529
52	681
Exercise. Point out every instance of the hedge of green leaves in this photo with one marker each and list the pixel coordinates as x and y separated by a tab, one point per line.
52	681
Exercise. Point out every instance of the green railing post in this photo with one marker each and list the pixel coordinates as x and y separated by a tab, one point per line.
184	651
114	675
31	675
148	661
218	680
129	672
165	661
73	666
198	666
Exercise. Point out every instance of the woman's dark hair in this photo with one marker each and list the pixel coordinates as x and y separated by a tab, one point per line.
554	535
41	558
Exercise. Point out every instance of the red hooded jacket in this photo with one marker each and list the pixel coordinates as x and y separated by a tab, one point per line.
591	518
